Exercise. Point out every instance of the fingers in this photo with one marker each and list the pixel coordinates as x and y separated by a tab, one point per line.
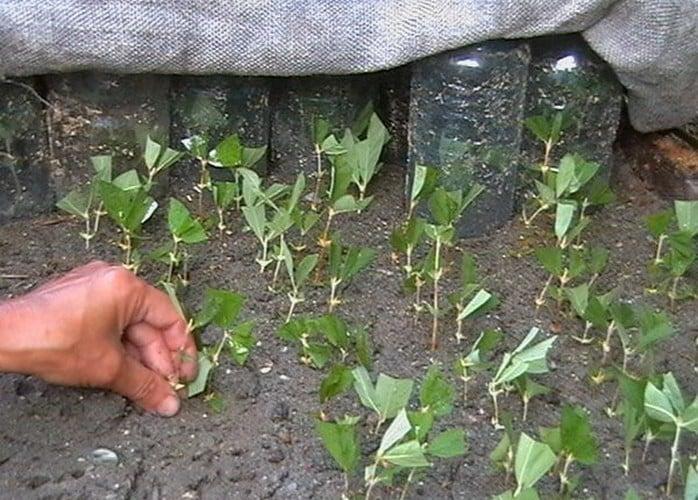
151	349
154	307
145	388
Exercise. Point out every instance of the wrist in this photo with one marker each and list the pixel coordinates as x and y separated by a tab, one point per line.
16	336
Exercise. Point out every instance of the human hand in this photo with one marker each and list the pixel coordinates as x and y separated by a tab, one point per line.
100	326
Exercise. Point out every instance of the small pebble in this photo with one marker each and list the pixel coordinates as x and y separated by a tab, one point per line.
104	456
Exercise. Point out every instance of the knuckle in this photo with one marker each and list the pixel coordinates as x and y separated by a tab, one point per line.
110	368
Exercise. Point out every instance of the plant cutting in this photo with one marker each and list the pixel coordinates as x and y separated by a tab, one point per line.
185	230
386	398
325	143
221	308
298	274
525	359
128	204
84	203
344	264
466	367
157	159
572	441
445	207
470	300
680	256
667	405
364	155
224	194
532	461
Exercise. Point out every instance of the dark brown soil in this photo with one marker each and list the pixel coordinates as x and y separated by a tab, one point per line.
262	444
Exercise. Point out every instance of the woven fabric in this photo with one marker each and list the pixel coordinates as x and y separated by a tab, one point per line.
651	44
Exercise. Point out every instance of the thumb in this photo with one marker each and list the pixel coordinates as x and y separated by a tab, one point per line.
145	388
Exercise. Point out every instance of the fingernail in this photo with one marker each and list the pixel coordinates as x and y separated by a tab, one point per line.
169	406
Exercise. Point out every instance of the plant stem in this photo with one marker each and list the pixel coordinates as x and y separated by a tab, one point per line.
660	244
403	495
459	330
525	400
372	481
563	475
672	294
435	304
219	348
318	178
626	463
674	459
333	293
607	342
540	300
649	437
495	418
87	236
173	259
128	247
535	214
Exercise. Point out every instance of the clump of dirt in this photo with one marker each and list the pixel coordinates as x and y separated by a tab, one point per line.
262	443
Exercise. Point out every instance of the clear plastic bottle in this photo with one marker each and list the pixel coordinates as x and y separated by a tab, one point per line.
24	159
567	76
466	110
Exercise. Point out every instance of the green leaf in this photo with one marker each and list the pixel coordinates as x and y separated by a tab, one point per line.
304	269
364	349
152	152
252	156
480	300
551	436
197	146
342	442
228	153
682	252
397	430
671	389
436	393
337	381
320	129
533	460
102	165
334	329
539	126
551	259
362	119
576	435
564	216
241	342
632	495
256	219
348	203
220	307
657	404
76	203
422	422
182	225
365	389
691	490
579	298
565	175
392	394
448	444
687	216
654	327
409	454
198	385
658	224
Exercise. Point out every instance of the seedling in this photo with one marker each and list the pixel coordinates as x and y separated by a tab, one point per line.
525	359
344	264
298	276
185	230
341	440
548	130
364	155
224	194
283	220
532	461
221	308
325	143
681	254
446	207
667	405
476	360
127	203
84	203
470	300
406	238
572	441
424	182
229	154
632	409
157	159
386	398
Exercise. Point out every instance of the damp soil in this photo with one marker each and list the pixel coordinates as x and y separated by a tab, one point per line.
261	444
